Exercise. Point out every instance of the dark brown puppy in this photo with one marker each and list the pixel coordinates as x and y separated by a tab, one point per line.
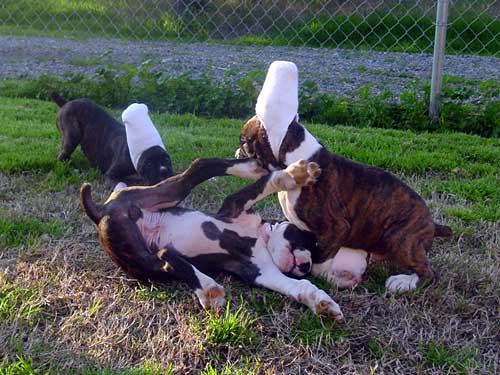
103	141
352	205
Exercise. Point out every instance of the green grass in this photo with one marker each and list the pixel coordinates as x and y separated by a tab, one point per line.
17	302
394	27
311	329
467	167
455	361
230	327
113	86
17	231
23	365
66	308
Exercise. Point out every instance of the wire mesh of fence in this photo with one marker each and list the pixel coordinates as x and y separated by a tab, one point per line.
398	25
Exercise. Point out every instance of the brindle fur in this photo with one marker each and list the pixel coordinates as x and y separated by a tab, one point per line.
354	205
101	138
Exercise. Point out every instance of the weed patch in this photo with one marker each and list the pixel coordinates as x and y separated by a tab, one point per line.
457	361
16	231
312	329
235	98
230	327
18	303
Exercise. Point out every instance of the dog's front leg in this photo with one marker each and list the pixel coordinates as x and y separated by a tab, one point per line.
302	291
295	176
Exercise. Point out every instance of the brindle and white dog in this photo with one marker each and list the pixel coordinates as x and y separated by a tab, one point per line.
353	208
151	239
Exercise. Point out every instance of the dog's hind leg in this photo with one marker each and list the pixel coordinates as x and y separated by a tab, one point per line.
71	136
409	251
171	191
173	265
295	176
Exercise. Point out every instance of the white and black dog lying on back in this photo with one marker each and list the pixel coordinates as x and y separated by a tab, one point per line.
291	258
151	239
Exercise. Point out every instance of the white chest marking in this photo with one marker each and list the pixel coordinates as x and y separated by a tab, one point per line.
288	199
306	149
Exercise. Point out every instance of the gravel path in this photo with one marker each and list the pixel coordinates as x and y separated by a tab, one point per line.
340	71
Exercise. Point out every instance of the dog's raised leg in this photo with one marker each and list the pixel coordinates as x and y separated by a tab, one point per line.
296	175
171	191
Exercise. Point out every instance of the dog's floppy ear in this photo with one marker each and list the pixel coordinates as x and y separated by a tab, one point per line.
278	101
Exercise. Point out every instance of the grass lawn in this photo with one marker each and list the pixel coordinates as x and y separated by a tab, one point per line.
65	306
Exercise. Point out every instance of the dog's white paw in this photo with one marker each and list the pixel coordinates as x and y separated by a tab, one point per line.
325	305
304	173
401	283
212	297
318	301
251	169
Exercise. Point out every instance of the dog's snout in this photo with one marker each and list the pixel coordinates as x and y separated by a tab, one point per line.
305	267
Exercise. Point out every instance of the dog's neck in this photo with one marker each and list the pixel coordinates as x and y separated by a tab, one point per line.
297	144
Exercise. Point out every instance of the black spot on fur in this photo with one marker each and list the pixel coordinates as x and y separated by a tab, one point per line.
134	213
229	240
300	239
232	242
176	211
211	231
211	264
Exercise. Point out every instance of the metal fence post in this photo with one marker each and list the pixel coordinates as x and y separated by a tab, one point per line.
438	59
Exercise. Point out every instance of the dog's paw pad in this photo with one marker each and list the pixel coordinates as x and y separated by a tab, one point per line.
313	169
304	173
212	297
329	308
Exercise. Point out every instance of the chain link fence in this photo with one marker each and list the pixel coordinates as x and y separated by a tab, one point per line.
402	25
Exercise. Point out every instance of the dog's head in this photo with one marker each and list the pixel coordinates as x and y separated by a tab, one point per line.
154	165
273	135
291	248
147	152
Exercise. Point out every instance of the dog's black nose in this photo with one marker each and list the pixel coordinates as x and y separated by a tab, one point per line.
305	267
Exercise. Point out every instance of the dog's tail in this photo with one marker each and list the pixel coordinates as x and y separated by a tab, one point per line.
442	231
94	211
58	99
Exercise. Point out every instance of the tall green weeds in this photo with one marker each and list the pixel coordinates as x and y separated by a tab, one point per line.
235	98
